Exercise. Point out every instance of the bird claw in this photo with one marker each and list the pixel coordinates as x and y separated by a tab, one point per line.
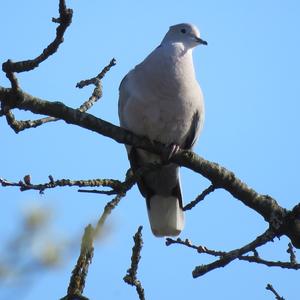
169	152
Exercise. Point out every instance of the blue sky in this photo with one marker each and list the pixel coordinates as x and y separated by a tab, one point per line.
249	75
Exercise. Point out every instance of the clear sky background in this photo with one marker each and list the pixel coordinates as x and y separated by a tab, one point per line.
249	73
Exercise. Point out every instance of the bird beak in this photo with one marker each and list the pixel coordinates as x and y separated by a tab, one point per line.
200	41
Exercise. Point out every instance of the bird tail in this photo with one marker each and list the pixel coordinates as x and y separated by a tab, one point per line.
165	215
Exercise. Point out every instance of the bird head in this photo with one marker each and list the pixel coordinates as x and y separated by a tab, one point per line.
184	33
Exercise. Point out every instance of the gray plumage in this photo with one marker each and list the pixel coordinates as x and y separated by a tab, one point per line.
161	99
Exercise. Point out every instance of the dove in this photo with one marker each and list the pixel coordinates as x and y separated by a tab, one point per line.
161	99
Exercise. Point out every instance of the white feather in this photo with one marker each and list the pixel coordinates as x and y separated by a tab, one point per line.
166	216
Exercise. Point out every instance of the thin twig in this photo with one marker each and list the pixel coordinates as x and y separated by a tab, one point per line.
97	92
20	125
131	276
270	288
291	251
126	185
95	80
201	197
64	20
79	273
281	264
10	67
107	211
267	236
250	258
200	249
108	193
26	185
81	269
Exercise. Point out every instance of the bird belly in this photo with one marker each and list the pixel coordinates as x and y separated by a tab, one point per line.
165	121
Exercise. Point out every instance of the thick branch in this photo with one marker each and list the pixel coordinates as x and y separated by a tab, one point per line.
280	220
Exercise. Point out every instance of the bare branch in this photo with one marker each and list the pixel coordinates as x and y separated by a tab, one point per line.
19	126
9	67
201	197
250	258
291	251
281	220
107	211
97	78
108	193
234	254
24	185
227	257
281	264
270	288
200	249
11	76
218	175
115	185
97	92
64	20
85	259
80	271
131	276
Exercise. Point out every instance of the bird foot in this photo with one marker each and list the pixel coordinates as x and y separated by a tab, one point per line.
169	152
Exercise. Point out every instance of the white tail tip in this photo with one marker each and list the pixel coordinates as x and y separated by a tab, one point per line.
165	215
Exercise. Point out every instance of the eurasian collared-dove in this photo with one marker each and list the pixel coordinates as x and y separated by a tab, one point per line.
162	100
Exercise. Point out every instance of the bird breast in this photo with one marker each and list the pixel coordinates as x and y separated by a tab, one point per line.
162	101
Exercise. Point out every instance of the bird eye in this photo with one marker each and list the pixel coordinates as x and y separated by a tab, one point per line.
183	30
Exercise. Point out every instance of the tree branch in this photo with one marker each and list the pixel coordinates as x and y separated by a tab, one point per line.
131	276
281	220
26	184
220	177
19	126
292	254
79	273
270	288
201	197
77	281
234	254
281	264
64	20
96	79
226	257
